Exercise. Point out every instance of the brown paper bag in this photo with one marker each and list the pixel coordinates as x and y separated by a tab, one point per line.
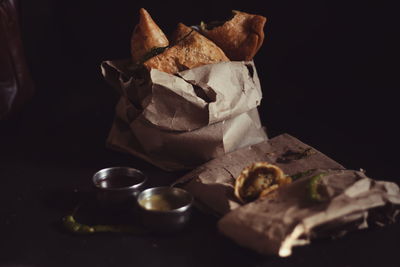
181	121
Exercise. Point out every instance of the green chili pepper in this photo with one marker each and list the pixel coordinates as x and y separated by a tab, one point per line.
301	174
313	187
119	229
158	50
152	53
73	226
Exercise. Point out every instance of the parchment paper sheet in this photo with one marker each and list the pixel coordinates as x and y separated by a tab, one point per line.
212	184
290	218
181	121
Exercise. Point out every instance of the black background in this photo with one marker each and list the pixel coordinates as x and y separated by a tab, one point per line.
329	73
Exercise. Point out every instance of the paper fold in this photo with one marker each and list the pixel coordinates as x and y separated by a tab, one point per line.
212	184
290	218
180	121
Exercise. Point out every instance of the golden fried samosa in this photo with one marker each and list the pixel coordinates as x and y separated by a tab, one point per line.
240	37
146	35
258	180
190	50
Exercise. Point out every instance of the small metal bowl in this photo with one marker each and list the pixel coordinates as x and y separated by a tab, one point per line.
165	209
118	184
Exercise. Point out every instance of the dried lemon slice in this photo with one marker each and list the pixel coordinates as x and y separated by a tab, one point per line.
258	180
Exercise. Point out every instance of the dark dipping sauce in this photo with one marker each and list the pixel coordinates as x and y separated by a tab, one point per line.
119	181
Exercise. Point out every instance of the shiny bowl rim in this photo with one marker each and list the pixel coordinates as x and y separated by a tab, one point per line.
138	173
182	209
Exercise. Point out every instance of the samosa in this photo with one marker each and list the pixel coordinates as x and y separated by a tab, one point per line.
240	37
146	36
190	49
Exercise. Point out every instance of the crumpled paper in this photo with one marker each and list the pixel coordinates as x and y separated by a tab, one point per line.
181	121
212	184
290	218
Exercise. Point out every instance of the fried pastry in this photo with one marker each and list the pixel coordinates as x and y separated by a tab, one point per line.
190	49
146	36
258	180
240	37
